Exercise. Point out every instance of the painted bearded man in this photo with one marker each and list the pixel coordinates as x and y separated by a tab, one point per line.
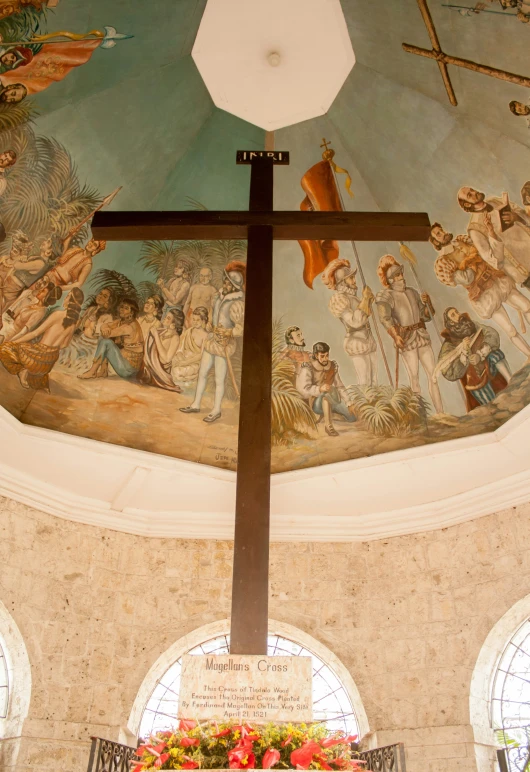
403	313
488	289
320	383
471	353
500	230
354	313
227	321
294	349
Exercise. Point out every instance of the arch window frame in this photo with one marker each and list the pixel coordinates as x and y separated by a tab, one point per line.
207	633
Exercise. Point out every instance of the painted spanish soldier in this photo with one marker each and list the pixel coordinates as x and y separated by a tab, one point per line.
403	313
319	382
227	321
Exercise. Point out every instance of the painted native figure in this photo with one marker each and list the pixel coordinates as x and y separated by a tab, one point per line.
488	289
34	354
403	313
354	313
471	353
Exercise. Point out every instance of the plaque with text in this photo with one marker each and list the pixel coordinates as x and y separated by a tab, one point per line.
246	688
279	157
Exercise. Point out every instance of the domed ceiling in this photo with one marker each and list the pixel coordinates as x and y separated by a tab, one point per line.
108	343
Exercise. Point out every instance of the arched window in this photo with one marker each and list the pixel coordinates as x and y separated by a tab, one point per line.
510	699
4	683
331	702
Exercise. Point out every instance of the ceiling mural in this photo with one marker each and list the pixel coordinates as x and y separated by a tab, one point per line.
377	346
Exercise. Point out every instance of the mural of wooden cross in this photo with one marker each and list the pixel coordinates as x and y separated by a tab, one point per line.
260	226
444	59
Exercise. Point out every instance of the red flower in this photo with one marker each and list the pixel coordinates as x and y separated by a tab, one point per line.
153	750
186	724
270	758
161	759
186	742
139	768
322	761
302	757
287	740
241	757
223	733
190	764
330	742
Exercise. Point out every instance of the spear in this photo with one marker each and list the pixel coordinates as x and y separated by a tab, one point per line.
106	201
476	10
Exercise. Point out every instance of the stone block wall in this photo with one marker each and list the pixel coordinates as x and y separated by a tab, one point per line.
407	617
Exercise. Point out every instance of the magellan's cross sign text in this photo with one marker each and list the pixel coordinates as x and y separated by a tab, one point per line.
261	225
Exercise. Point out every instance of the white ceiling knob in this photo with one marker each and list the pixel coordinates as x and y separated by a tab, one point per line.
274	59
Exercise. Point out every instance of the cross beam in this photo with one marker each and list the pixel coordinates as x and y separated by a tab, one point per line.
444	59
260	226
285	226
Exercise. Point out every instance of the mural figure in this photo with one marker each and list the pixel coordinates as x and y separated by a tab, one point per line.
83	345
295	350
34	354
120	344
7	160
354	313
10	7
74	265
525	197
488	289
403	313
201	294
500	231
319	382
32	315
160	348
227	321
471	353
176	291
186	362
152	314
12	58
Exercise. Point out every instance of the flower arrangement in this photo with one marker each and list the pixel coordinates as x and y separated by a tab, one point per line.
240	746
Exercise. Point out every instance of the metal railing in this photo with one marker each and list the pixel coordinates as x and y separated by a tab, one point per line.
514	759
390	758
108	756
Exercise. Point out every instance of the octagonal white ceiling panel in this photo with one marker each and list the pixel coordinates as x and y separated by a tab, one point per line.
273	63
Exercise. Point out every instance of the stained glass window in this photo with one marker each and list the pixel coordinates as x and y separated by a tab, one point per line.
4	684
331	703
510	700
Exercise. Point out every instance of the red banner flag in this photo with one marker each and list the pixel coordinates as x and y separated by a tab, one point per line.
321	196
53	63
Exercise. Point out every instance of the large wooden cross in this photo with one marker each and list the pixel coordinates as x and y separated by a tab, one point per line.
444	59
260	226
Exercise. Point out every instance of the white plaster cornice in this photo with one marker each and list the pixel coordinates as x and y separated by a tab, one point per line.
387	495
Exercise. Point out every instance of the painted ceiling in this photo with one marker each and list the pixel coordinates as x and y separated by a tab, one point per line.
137	116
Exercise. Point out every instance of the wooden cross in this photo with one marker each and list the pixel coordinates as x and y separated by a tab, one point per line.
444	59
261	225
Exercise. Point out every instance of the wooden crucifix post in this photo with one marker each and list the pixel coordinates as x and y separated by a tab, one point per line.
261	225
444	59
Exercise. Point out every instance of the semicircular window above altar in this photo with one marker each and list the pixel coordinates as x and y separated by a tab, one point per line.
332	704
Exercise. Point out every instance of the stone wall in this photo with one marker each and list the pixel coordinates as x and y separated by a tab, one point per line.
407	616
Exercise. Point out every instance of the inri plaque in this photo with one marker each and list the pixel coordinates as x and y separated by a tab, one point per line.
252	688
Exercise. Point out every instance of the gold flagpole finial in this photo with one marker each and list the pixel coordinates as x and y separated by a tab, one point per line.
328	156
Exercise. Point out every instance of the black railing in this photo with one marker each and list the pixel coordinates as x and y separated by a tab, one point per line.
514	759
108	756
390	758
